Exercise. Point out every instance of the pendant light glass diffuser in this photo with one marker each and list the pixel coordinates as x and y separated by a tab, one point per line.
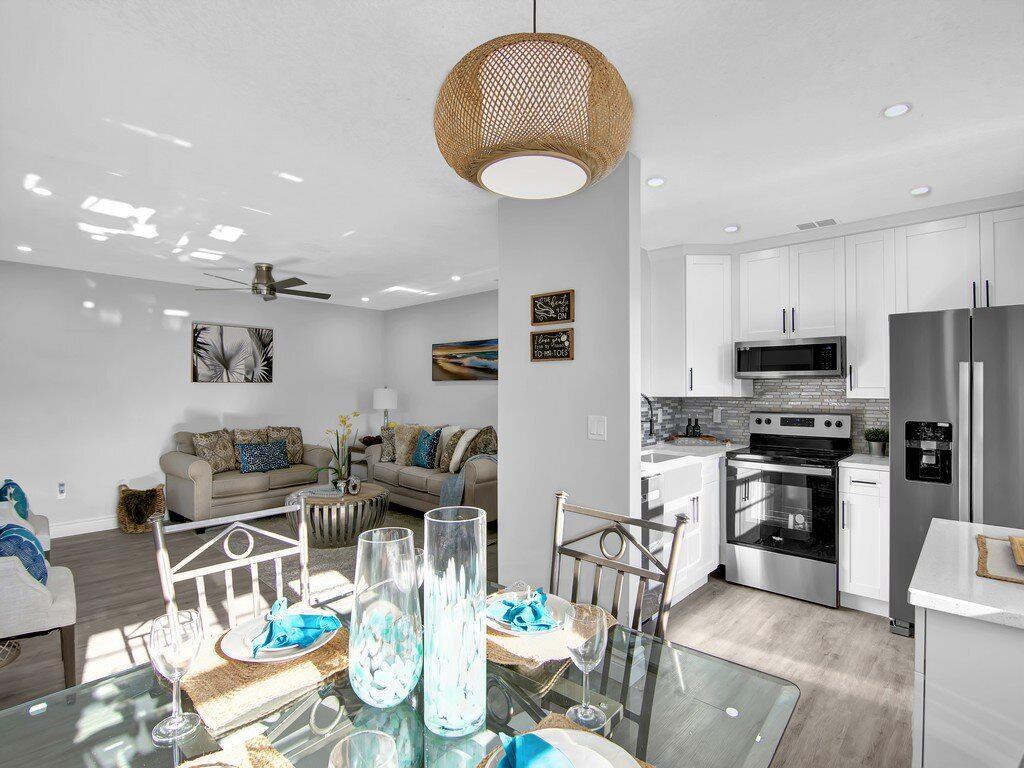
533	115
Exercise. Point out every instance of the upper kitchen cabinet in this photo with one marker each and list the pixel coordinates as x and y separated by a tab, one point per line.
1002	258
709	326
870	299
937	265
764	295
667	363
817	304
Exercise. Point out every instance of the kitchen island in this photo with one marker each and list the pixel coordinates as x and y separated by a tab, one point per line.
969	653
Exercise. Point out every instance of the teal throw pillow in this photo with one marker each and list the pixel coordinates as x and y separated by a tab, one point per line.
18	541
263	457
12	492
426	447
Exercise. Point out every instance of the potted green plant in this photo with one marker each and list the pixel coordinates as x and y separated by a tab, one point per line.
878	440
341	448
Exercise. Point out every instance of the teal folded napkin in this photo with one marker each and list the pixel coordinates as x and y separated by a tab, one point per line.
529	614
529	751
287	629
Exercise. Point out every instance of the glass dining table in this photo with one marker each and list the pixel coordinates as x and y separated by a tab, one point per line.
666	704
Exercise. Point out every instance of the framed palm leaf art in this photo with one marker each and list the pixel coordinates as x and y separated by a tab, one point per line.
228	354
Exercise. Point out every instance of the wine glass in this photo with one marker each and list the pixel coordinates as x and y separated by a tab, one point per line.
586	628
365	749
174	641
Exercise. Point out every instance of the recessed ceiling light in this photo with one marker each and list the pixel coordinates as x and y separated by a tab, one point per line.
918	191
731	228
655	181
176	312
42	192
365	298
349	233
456	278
288	176
25	248
89	304
404	289
100	238
226	233
30	180
896	110
206	255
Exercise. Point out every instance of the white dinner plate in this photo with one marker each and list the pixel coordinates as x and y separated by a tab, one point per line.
583	749
237	643
555	604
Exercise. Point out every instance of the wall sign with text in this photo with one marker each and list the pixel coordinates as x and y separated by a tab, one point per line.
551	345
554	307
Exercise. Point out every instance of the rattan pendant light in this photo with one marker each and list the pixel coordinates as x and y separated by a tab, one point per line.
533	115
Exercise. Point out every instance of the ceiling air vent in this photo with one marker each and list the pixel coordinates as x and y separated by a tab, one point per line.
808	225
826	223
816	224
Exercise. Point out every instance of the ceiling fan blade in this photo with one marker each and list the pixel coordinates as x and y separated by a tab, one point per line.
221	277
310	294
288	282
240	290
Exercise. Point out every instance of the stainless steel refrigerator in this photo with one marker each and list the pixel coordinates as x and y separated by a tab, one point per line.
956	440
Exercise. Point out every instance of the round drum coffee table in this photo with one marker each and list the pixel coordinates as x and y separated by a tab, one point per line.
334	520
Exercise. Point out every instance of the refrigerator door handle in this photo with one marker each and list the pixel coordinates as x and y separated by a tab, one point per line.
963	443
978	444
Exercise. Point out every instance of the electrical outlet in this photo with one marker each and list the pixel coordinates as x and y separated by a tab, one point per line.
62	490
716	416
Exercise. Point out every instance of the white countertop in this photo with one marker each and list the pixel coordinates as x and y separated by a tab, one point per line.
945	578
688	454
866	461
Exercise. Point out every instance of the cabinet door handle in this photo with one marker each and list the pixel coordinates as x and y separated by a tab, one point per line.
792	319
844	516
974	294
851	377
691	379
864	482
696	510
783	319
988	298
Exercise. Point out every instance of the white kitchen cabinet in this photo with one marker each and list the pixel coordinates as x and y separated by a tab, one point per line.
700	551
709	326
864	537
1002	258
668	374
817	278
764	294
938	265
870	299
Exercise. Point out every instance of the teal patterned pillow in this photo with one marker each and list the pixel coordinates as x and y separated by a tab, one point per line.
12	492
426	447
18	541
263	457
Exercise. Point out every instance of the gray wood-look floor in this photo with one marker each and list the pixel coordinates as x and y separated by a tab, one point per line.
856	679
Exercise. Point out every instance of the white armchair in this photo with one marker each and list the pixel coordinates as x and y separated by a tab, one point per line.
38	524
30	609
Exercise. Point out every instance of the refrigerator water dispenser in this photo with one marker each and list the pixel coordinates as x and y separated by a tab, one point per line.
929	451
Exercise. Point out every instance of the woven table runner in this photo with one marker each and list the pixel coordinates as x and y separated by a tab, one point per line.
257	752
995	561
554	721
228	693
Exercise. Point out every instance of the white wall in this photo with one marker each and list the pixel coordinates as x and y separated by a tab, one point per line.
408	336
590	242
92	396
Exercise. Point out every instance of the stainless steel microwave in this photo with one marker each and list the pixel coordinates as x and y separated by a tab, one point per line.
790	358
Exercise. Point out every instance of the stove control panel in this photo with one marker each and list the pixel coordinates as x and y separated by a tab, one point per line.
800	424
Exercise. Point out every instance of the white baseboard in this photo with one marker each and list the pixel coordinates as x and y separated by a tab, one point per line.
685	590
59	530
865	604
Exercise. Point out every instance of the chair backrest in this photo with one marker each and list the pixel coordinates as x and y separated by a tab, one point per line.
289	547
651	567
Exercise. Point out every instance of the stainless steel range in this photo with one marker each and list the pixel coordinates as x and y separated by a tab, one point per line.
782	521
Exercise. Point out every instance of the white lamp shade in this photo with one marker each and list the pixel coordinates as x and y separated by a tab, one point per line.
385	399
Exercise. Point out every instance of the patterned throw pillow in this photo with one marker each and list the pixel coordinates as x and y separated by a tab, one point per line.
461	450
426	448
485	442
248	437
449	449
263	457
387	441
293	441
216	448
446	432
406	436
18	541
12	492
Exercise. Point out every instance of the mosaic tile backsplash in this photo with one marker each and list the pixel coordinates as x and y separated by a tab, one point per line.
801	395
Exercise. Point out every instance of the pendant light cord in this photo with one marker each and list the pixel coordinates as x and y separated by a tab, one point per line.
535	17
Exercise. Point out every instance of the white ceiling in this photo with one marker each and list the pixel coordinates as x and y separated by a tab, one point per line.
763	113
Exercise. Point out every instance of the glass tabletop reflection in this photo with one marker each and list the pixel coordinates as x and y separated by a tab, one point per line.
666	704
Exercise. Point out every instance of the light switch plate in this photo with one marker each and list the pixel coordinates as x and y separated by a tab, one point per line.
597	427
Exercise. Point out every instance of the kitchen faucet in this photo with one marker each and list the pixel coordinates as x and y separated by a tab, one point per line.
650	417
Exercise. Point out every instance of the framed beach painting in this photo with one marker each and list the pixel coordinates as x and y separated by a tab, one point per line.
230	354
465	360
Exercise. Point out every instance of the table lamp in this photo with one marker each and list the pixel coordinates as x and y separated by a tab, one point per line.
385	399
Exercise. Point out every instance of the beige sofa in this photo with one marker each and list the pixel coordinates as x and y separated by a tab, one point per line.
419	488
193	491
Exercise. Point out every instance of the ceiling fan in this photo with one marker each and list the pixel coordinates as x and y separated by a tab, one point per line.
263	284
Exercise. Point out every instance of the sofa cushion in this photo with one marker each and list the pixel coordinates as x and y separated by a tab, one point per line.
293	440
234	483
416	477
248	437
435	481
216	449
183	442
296	474
449	450
386	473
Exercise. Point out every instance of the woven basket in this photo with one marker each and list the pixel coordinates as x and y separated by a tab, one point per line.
533	93
159	507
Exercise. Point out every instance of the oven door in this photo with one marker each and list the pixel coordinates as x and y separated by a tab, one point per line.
788	358
780	508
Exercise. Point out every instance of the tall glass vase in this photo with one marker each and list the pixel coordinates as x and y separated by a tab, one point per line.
386	636
455	592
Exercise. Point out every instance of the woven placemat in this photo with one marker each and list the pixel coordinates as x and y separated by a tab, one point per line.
554	721
228	693
257	752
528	651
1003	567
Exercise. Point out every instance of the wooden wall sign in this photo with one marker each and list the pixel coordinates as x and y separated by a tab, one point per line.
551	345
554	307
